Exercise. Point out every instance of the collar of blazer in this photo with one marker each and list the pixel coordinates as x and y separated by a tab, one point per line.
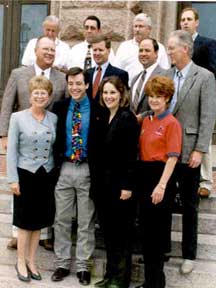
186	87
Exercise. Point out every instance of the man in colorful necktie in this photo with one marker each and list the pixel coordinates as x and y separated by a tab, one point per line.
77	121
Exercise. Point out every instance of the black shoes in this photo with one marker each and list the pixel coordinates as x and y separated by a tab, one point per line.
48	244
34	275
60	274
22	277
84	277
102	283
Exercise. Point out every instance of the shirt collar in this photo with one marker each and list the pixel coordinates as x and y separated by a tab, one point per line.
135	42
103	66
151	68
163	114
57	41
38	71
185	70
82	102
160	116
194	36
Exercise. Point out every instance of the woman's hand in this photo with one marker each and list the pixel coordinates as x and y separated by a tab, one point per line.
158	194
15	189
125	194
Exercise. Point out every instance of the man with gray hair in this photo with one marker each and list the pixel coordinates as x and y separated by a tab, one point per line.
127	54
194	105
51	29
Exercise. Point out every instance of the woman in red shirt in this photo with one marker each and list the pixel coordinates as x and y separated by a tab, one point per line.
159	149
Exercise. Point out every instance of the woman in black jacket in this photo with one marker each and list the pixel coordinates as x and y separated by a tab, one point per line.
114	199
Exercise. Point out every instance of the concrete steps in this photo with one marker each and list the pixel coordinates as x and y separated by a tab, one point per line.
204	274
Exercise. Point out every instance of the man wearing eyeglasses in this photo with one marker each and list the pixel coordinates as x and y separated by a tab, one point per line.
82	50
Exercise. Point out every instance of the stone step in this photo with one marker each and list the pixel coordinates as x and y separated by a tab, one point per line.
204	274
207	223
206	248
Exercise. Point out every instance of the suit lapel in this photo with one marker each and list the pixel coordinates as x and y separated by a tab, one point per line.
31	72
108	71
188	83
156	71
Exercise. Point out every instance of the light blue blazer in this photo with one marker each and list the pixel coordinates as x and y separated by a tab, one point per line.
30	143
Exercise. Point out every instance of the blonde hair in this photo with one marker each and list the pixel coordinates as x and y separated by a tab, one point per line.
40	82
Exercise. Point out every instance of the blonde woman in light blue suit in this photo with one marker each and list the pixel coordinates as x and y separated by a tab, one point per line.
30	171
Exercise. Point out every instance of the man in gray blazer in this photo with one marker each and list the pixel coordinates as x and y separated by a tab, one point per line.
16	94
194	105
148	54
204	54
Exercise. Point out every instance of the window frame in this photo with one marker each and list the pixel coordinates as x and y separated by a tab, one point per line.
11	35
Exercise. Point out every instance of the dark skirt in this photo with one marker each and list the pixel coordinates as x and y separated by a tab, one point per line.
34	209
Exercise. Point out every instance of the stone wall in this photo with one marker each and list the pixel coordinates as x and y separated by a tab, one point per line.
116	18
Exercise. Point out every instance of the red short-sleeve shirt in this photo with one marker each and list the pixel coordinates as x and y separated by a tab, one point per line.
160	137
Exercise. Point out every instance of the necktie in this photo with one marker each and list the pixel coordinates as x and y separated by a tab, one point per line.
177	81
76	135
138	90
42	73
88	60
179	76
96	82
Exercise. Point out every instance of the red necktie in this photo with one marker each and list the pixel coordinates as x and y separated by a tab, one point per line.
96	82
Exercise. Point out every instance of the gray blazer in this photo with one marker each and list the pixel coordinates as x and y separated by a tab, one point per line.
30	143
143	104
196	109
16	94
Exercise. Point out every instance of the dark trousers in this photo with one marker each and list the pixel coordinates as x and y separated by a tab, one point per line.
116	219
188	181
154	222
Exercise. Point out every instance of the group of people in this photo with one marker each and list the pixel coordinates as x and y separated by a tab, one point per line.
116	136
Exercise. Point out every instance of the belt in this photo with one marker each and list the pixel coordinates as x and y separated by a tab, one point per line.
67	159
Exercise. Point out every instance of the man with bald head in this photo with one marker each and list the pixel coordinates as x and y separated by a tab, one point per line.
51	29
16	94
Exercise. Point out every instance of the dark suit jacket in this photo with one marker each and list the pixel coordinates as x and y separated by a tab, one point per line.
204	53
118	154
143	104
16	94
110	71
97	113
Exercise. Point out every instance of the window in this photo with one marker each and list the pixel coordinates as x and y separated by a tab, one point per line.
32	17
20	21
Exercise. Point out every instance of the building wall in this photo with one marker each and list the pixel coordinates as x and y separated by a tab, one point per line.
116	18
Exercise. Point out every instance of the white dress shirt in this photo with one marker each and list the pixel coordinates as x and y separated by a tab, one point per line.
38	71
78	53
149	71
127	58
61	57
179	82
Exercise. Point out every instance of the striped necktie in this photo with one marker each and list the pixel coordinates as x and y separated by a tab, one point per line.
179	76
96	82
88	60
138	91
